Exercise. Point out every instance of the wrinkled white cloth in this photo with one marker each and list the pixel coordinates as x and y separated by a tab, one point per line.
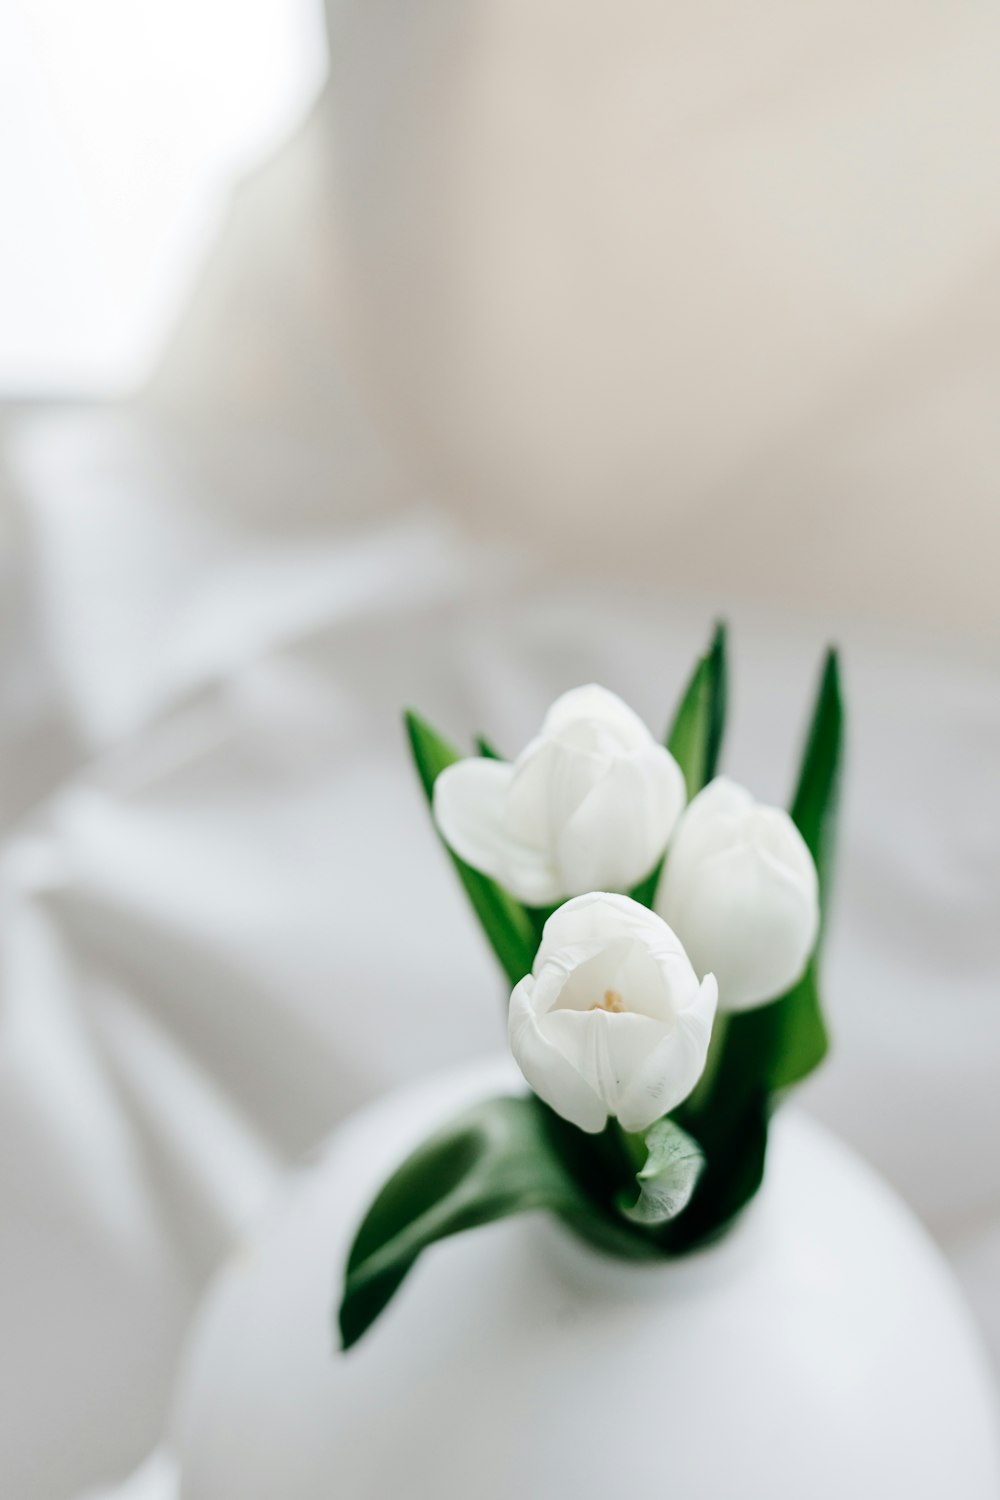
720	314
226	920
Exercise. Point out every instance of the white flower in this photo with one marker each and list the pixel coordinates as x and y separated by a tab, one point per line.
612	1019
588	805
740	890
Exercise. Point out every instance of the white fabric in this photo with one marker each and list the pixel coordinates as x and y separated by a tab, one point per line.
155	1479
767	386
210	824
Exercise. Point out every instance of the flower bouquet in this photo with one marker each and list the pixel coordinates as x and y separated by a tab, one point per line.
617	1319
660	929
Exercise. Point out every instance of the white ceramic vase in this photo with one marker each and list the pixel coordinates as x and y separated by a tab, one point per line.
820	1351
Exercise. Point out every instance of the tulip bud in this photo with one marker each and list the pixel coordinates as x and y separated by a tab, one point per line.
612	1020
741	892
588	805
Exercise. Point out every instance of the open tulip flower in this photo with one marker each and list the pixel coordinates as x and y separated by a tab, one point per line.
623	920
589	804
613	1021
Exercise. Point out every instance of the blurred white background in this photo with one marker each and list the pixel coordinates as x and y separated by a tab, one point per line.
123	127
542	336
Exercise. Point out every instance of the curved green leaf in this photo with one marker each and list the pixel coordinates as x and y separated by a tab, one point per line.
695	736
500	1157
512	931
674	1162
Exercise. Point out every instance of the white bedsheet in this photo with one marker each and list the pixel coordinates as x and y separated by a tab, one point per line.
225	920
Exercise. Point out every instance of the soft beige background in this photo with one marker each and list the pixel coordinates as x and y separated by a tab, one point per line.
707	293
555	332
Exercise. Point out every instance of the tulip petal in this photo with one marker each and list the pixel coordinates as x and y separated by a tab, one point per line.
550	781
591	921
470	800
606	1050
597	706
712	819
671	1070
621	828
551	1075
748	919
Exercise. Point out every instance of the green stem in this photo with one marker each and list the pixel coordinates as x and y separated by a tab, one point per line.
634	1146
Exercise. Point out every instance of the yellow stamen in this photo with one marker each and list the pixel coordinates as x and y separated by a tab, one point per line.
612	1002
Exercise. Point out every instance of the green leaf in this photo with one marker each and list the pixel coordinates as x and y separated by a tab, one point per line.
501	1157
788	1037
734	1143
814	806
674	1163
486	750
695	736
757	1053
775	1045
797	1039
512	931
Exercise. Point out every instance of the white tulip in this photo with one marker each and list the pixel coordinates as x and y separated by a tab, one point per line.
612	1020
740	890
589	804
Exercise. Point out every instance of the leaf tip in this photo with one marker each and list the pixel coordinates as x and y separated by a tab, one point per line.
412	723
720	636
349	1328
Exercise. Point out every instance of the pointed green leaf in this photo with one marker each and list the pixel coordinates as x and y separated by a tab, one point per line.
695	736
510	928
779	1044
798	1041
814	806
500	1157
757	1053
486	750
674	1163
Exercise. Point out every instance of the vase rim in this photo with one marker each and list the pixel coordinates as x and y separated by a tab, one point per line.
590	1269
